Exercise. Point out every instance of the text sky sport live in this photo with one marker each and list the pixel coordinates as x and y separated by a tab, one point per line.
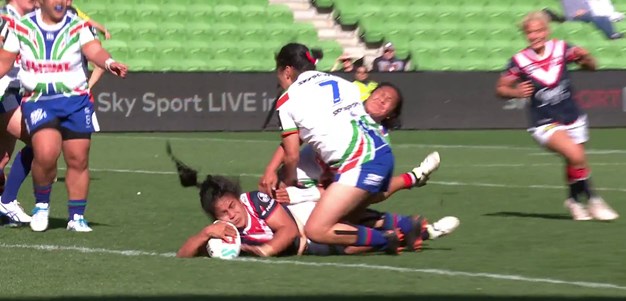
241	101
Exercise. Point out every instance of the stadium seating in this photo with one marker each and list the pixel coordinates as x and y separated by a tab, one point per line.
244	35
465	34
201	35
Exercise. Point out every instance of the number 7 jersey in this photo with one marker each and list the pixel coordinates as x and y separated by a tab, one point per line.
327	113
50	55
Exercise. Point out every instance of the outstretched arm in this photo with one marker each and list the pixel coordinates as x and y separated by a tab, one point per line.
100	57
269	180
196	244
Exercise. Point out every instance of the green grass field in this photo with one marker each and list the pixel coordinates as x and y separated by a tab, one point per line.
515	241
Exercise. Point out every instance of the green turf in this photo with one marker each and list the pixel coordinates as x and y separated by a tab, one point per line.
510	226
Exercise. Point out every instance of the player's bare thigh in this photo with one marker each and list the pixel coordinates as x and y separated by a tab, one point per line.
561	143
14	125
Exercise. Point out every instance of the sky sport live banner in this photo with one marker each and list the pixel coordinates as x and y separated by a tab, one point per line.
241	101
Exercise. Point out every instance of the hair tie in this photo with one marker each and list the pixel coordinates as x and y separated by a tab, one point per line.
310	58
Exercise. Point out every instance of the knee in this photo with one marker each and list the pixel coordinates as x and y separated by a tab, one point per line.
312	232
77	162
46	158
577	159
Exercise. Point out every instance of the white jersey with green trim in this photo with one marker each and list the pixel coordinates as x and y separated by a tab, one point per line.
327	113
9	15
50	55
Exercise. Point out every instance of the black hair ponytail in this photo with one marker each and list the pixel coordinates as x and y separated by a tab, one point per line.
212	188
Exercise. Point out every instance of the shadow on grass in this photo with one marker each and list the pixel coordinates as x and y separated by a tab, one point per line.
61	223
62	179
561	216
53	223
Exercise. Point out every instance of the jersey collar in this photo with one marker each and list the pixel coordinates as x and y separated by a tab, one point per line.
48	27
12	11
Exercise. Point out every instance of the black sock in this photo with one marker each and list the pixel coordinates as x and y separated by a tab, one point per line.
580	187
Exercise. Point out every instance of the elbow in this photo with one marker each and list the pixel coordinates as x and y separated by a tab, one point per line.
291	159
184	252
503	92
499	93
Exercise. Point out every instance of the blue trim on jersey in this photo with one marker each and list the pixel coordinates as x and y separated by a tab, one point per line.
50	42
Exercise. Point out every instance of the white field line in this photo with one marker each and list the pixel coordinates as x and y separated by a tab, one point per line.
450	273
587	152
498	165
445	183
395	145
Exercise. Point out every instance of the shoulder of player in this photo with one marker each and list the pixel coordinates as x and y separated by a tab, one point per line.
72	9
29	15
256	196
260	202
282	99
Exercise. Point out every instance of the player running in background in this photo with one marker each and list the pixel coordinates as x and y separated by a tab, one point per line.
10	113
56	106
325	112
540	73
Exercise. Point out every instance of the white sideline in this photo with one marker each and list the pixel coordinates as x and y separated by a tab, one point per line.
329	264
395	145
445	183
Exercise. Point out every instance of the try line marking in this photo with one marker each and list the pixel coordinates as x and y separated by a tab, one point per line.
362	266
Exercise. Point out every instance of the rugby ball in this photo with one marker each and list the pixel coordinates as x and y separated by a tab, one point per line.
224	248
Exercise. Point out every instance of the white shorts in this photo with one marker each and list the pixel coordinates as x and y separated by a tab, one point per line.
302	211
309	169
577	130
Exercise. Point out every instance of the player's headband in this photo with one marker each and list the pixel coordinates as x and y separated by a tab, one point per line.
310	57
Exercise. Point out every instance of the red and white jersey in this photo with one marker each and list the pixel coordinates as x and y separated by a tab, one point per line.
259	206
552	100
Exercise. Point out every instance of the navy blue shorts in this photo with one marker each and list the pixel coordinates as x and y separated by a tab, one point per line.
72	114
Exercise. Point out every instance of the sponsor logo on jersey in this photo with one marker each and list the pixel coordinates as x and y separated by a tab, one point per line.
37	115
304	81
373	180
553	96
346	108
263	197
87	117
46	67
549	127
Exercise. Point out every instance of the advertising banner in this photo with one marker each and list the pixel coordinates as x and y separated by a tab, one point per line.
241	101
